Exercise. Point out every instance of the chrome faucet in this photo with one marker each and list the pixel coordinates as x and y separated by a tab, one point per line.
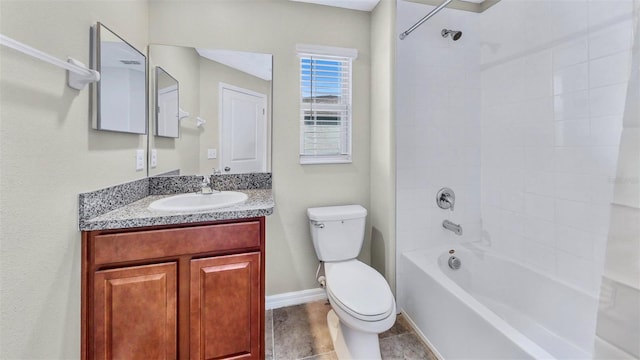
456	228
205	187
446	198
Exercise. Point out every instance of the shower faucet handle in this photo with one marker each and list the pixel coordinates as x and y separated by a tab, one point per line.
446	199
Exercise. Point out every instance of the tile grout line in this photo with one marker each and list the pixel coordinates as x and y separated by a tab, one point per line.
401	333
316	355
273	338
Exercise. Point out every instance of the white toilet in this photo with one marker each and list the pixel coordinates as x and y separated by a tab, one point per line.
361	300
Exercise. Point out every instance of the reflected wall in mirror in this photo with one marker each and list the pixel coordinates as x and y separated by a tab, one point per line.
121	94
231	92
167	104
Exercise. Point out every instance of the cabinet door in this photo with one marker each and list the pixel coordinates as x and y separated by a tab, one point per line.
135	312
225	307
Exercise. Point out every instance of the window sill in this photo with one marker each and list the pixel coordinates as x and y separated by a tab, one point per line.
323	160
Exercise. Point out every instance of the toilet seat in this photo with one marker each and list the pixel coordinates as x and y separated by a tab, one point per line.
359	290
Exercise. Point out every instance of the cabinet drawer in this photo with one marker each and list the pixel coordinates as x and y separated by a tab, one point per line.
113	248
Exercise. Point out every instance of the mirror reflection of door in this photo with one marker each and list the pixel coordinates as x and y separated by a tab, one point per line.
167	105
199	149
243	130
167	116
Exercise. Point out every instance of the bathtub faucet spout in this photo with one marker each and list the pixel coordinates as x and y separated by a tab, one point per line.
457	229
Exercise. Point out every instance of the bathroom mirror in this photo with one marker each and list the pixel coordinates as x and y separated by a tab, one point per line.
121	94
167	104
225	107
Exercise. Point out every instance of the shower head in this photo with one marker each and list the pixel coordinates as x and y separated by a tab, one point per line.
455	34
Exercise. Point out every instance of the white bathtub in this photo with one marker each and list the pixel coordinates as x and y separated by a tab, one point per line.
494	308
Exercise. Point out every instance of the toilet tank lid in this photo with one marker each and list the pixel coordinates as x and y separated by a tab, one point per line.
329	213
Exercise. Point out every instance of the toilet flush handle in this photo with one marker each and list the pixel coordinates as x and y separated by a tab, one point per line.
318	225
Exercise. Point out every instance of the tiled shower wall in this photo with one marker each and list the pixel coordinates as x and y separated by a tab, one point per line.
522	119
437	126
554	81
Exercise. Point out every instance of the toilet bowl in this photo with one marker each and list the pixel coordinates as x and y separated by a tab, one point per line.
361	300
360	296
362	306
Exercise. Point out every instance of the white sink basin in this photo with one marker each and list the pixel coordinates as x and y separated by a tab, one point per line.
198	202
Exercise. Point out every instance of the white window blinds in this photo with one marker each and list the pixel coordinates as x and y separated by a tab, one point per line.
325	108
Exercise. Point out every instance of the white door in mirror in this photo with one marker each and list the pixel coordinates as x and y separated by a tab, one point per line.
199	202
167	111
243	130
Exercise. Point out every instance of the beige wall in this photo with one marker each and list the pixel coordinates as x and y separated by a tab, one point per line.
49	154
382	212
275	27
182	63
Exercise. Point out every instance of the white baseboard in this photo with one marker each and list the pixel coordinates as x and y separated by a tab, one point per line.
294	298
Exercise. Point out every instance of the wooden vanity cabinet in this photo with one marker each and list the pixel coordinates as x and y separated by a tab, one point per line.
174	292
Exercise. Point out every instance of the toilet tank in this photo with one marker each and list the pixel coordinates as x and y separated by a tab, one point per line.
337	231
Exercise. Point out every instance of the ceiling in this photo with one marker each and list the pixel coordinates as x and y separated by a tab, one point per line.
466	5
369	5
251	63
362	5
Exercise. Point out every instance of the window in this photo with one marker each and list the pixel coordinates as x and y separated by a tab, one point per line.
325	104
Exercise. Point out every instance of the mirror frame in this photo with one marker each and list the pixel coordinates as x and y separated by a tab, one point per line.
97	116
156	108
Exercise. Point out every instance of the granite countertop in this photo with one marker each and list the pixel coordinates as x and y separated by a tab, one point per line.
126	205
136	214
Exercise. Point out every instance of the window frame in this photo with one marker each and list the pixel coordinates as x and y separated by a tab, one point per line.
346	143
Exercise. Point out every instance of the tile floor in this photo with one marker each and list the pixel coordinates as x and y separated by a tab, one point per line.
301	332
